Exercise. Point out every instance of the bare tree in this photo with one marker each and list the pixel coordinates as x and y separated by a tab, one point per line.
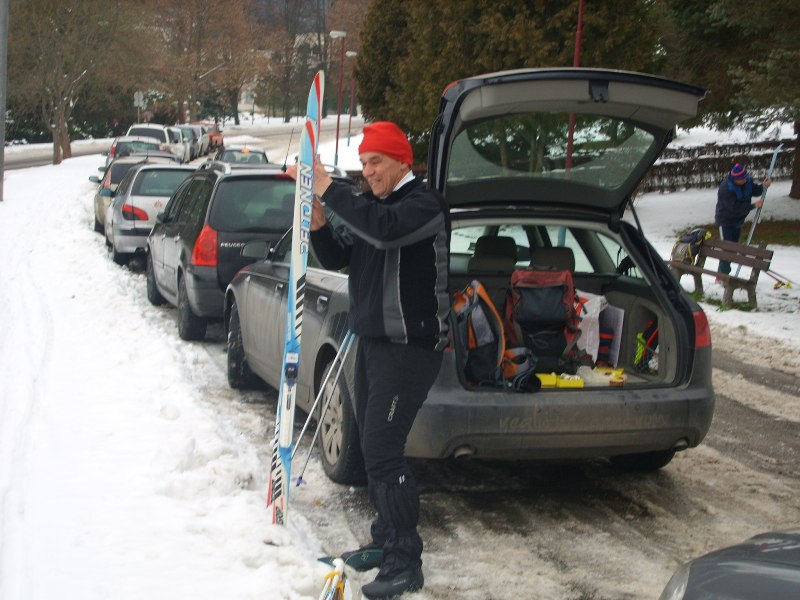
54	45
239	48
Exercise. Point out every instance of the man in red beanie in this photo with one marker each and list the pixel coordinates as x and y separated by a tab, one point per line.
734	203
395	243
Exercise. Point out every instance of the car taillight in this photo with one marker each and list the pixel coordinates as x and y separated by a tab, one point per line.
132	213
702	332
204	253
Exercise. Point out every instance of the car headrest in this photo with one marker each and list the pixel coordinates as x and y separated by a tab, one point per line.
559	258
494	253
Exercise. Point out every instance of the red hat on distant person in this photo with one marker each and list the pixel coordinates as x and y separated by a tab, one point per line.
387	138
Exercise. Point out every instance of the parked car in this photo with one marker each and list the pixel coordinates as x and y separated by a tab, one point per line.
125	144
214	132
765	566
142	193
242	154
195	246
106	186
185	148
169	139
190	134
499	155
202	135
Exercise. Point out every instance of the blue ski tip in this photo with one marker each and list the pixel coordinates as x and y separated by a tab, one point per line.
299	481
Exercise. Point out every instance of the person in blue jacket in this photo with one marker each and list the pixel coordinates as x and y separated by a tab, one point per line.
734	203
395	242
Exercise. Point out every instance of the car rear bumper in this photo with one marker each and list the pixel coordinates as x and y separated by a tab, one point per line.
559	423
129	241
206	298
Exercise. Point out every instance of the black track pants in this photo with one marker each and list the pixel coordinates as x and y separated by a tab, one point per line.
391	383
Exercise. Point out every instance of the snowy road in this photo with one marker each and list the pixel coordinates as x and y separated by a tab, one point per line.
585	530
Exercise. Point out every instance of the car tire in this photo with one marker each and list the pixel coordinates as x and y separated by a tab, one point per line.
338	440
98	226
153	295
120	258
645	461
190	326
240	377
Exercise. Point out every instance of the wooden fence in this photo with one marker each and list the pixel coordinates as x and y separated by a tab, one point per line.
703	166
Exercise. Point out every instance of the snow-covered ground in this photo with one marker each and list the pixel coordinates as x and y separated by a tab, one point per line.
118	477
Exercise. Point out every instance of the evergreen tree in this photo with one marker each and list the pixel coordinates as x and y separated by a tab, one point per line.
412	50
749	60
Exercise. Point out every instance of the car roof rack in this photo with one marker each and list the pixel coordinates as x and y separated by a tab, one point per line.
215	165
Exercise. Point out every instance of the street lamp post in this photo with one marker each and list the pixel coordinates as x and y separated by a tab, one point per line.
334	35
351	54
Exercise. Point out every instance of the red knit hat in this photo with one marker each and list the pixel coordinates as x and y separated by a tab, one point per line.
739	171
385	137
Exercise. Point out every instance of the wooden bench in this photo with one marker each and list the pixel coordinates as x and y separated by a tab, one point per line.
757	259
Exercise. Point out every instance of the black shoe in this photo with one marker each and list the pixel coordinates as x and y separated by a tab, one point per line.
384	588
365	558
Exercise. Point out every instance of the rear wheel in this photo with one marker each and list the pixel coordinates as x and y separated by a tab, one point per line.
338	436
153	295
645	461
121	258
98	226
240	376
190	326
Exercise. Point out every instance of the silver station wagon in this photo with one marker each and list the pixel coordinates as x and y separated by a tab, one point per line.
538	168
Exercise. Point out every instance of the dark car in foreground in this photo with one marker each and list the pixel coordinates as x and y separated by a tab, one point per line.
538	168
194	248
765	566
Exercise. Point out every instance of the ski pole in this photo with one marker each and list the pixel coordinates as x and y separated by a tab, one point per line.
334	582
757	216
341	355
779	283
776	274
324	410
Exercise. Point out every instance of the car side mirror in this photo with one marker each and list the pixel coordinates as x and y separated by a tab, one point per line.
106	193
94	179
257	249
160	217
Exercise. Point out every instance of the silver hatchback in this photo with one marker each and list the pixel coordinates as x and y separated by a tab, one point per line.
140	196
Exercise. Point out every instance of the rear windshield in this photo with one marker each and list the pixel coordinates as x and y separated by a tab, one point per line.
147	132
161	182
239	156
253	205
125	148
535	146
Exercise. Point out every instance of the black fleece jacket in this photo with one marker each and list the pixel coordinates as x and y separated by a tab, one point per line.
396	249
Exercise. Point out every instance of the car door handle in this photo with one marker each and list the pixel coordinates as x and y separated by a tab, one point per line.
279	288
322	304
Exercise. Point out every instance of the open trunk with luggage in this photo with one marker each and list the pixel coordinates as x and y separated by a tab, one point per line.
588	313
